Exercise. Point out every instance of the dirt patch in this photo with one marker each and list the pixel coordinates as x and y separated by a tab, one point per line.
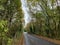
21	40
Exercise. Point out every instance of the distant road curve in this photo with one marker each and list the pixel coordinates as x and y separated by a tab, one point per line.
32	40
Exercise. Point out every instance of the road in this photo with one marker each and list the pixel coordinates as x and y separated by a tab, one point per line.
32	40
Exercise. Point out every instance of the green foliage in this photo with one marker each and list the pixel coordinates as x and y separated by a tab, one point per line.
1	7
3	31
47	19
10	20
3	1
3	25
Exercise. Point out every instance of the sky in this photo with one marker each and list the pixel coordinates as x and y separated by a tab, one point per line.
27	16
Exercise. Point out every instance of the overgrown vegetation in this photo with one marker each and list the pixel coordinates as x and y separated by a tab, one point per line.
10	21
46	13
47	19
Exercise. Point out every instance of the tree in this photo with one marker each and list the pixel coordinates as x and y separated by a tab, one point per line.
48	12
10	10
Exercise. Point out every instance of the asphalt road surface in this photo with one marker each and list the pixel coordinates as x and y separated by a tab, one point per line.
32	40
